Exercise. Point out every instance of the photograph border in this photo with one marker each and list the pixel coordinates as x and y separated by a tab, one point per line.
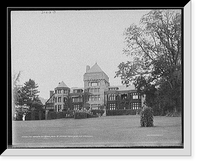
117	151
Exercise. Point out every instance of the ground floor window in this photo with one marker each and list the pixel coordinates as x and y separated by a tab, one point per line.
76	107
59	107
135	105
112	106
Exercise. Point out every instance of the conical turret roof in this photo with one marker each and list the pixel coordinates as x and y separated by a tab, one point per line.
62	85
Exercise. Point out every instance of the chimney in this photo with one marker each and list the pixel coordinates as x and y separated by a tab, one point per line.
51	93
87	68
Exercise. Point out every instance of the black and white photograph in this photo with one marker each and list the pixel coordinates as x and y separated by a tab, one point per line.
97	79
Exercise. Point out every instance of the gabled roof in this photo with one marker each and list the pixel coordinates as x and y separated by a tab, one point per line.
123	87
95	68
49	98
62	85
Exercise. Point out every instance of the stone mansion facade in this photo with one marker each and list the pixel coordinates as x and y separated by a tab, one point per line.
97	93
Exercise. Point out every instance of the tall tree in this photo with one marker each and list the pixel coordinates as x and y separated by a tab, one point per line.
30	93
155	48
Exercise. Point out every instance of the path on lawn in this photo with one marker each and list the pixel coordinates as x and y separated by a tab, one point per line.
108	131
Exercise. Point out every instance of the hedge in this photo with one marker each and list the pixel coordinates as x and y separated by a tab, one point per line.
19	116
80	115
120	112
35	115
95	112
69	113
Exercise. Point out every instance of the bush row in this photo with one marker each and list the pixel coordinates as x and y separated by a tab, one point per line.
96	112
31	115
80	115
120	112
83	115
56	115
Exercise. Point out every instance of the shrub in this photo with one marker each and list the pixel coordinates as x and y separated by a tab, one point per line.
28	116
95	112
146	118
89	115
69	113
52	115
33	114
80	115
120	112
19	116
61	115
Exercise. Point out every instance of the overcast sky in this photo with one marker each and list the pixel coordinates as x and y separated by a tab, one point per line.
50	48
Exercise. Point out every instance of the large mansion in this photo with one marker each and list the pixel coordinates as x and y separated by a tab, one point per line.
97	93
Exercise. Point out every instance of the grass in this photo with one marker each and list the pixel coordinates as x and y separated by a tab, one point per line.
108	131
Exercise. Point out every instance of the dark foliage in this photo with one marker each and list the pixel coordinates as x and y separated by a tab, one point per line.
95	112
146	117
120	112
80	115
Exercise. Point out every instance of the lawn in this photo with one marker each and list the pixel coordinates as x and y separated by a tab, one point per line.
108	131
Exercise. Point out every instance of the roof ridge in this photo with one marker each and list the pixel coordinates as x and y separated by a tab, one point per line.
62	84
95	68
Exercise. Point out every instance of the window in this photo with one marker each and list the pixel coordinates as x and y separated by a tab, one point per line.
77	99
55	99
59	107
76	107
135	105
111	106
94	84
59	91
65	91
59	99
94	90
124	96
135	96
64	99
94	98
112	97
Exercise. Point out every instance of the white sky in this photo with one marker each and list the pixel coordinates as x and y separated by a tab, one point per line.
50	48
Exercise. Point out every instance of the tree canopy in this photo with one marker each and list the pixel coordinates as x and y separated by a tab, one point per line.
155	47
27	95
